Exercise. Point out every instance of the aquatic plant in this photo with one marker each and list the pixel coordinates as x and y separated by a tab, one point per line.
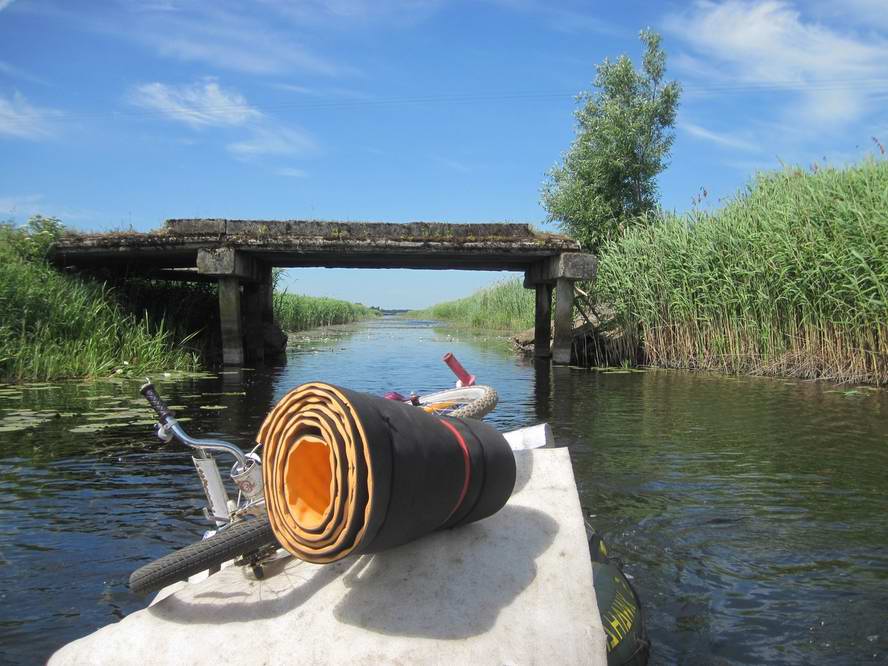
789	278
296	312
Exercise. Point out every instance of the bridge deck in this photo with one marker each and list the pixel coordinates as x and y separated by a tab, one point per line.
313	243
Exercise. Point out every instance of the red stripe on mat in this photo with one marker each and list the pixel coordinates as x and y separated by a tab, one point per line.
468	464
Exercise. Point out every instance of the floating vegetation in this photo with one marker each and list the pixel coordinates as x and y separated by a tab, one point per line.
90	427
23	420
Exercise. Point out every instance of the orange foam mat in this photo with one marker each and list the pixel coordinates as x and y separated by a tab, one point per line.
348	472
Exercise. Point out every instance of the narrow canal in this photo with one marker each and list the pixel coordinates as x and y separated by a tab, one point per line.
750	513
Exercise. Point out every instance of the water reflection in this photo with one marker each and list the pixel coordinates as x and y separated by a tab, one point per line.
750	512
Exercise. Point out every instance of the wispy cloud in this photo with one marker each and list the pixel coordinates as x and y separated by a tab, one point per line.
346	13
454	165
22	120
563	17
225	34
206	104
322	92
19	208
4	4
721	139
202	104
272	140
292	173
11	70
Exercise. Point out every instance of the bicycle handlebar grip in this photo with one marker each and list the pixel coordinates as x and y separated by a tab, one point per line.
456	367
163	412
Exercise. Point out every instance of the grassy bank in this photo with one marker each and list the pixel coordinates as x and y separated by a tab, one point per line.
294	312
506	306
790	278
54	325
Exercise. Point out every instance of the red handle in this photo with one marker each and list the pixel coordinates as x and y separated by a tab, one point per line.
464	377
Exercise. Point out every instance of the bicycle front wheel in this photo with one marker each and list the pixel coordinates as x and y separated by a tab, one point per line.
241	538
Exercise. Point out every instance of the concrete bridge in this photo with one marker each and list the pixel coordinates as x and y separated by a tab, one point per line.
240	254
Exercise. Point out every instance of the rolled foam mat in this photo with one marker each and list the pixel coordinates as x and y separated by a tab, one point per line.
348	472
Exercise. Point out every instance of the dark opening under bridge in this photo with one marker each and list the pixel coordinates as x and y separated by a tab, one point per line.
240	254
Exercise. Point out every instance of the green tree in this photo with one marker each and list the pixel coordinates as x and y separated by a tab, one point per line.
607	179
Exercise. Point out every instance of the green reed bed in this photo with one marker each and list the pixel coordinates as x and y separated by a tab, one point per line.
54	325
505	306
790	278
295	312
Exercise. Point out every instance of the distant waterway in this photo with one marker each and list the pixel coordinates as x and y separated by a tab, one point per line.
750	513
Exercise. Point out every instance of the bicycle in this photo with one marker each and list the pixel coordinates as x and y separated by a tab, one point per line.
241	526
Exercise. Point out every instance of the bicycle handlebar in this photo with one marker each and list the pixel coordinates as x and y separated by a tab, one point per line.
163	412
168	421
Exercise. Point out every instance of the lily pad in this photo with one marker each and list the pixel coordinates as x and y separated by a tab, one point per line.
88	428
13	427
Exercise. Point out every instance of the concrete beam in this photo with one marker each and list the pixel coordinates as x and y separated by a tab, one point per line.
543	321
569	266
227	262
564	301
230	320
173	274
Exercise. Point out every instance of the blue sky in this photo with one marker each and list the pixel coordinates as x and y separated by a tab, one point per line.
123	113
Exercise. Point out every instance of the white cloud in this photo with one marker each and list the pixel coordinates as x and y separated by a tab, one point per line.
292	173
724	140
201	104
4	4
767	45
205	104
270	140
21	120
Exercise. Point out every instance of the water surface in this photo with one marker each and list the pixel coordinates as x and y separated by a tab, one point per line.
750	513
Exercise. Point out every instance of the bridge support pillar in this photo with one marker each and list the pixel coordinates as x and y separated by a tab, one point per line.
230	318
542	321
564	301
560	272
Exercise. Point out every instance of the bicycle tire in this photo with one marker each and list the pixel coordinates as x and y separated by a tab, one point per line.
239	539
475	401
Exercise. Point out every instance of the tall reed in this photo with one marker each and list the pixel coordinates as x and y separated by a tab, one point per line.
54	325
505	306
789	278
295	312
